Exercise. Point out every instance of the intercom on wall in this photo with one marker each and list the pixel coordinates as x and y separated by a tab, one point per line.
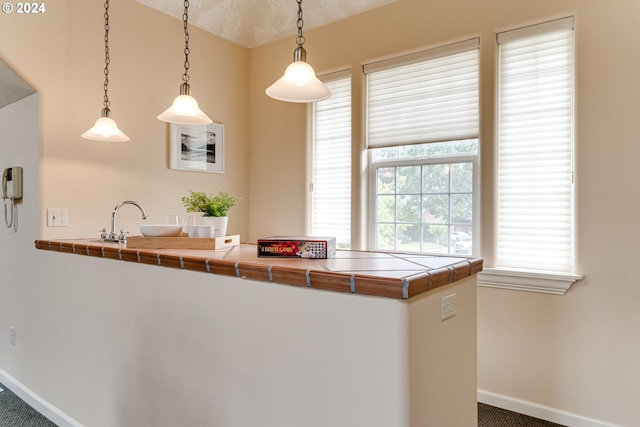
11	191
12	183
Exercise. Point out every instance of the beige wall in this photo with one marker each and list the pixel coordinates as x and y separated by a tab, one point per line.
61	54
576	353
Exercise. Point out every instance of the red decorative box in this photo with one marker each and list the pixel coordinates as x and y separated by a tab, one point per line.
300	247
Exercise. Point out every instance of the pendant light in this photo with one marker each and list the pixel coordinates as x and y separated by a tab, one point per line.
299	83
105	128
184	109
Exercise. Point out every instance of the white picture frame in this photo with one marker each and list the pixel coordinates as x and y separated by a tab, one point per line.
197	147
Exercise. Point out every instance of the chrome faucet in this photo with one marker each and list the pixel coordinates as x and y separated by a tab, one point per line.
122	237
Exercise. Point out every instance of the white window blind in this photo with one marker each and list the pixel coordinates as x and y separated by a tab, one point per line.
431	96
535	148
331	164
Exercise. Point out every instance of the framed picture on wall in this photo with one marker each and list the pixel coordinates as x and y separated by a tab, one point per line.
197	147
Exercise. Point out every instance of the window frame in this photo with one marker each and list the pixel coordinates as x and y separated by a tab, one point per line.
420	161
550	282
445	66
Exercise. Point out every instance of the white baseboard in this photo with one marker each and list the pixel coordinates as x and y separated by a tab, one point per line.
36	402
539	411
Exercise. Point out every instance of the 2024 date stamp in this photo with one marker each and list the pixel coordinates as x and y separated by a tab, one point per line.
33	8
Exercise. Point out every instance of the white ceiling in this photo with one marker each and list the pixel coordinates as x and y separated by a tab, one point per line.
252	23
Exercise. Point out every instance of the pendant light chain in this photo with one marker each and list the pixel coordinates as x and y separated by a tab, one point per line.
300	39
105	128
185	20
107	59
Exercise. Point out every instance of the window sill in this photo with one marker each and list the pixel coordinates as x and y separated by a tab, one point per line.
547	283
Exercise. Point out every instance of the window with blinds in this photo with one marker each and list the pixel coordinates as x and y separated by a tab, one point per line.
535	148
430	96
422	129
331	162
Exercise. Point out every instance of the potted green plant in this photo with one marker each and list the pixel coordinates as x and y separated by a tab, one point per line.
214	208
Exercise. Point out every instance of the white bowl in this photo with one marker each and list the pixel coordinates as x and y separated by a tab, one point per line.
160	230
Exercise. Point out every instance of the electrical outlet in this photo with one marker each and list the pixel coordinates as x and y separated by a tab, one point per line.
448	307
57	217
12	335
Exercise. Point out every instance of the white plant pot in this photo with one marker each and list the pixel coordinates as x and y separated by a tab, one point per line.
219	223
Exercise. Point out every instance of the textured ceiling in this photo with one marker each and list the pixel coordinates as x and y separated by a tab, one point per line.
252	23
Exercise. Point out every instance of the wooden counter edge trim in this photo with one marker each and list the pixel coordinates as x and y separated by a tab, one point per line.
340	282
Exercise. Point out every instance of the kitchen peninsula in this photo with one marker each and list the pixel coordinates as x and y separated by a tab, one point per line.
353	340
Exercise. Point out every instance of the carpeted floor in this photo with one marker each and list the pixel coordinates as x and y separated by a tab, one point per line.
14	412
490	416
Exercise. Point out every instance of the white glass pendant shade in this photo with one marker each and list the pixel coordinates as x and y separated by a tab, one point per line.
299	82
185	110
105	129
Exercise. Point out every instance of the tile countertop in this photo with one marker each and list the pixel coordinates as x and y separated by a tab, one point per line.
390	275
